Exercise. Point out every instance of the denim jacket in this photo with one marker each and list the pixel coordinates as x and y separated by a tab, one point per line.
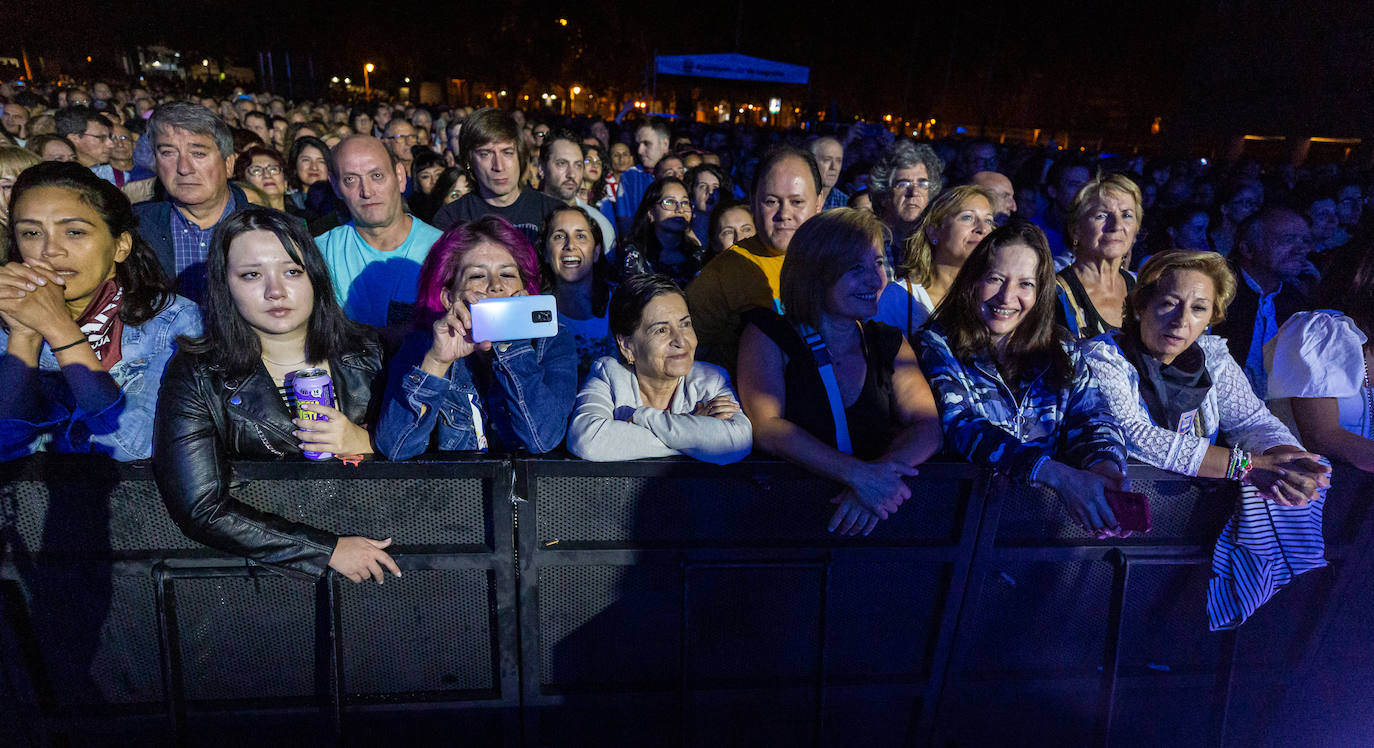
123	429
523	392
986	423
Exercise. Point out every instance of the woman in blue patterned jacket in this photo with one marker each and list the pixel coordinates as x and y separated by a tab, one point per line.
1013	392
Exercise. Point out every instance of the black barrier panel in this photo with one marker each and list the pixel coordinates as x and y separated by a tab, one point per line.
659	602
714	602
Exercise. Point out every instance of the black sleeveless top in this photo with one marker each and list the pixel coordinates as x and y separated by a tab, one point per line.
872	419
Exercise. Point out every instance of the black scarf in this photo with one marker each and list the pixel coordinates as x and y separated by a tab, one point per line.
1170	391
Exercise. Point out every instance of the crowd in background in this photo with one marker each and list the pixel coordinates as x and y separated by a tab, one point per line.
851	301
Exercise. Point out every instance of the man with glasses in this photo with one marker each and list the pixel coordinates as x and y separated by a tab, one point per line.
122	157
89	133
902	183
400	139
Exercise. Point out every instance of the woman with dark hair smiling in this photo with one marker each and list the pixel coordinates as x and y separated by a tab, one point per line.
576	269
270	312
1014	392
455	393
89	320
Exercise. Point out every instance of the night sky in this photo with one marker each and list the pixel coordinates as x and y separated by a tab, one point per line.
1216	66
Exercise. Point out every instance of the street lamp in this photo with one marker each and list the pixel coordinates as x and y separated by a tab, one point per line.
367	84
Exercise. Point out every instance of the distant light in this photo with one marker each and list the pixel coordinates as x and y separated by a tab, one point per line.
407	79
369	67
335	79
527	97
562	22
774	105
576	90
206	63
348	80
503	93
88	58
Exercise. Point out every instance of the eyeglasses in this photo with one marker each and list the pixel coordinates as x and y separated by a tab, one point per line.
669	203
540	135
97	136
591	161
258	171
120	138
412	138
905	185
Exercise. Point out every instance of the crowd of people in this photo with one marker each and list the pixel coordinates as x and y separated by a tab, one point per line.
855	303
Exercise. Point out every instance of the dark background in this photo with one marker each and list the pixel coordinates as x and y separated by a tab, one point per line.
1215	68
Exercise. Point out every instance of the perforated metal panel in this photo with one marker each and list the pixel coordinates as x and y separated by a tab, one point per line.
752	624
601	625
1181	511
89	519
97	634
600	511
893	603
243	638
427	631
1041	620
413	512
1164	624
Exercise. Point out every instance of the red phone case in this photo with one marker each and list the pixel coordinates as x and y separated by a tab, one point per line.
1132	509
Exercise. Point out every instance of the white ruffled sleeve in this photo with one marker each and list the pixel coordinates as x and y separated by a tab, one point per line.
1315	354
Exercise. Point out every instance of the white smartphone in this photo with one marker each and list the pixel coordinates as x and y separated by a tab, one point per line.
514	318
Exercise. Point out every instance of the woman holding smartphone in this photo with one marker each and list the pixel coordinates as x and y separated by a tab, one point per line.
449	391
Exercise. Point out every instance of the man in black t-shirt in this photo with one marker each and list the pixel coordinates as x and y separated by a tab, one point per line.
489	148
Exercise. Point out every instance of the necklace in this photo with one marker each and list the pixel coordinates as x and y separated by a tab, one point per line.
282	365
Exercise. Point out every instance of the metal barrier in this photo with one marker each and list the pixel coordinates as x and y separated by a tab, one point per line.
659	602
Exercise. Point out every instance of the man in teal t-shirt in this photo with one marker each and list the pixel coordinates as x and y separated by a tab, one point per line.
374	259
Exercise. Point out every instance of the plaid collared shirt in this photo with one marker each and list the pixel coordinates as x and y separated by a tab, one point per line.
191	244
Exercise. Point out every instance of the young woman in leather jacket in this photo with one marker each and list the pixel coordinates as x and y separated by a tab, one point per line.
270	311
89	320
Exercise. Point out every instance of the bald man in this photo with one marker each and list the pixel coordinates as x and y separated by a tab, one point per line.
1001	189
374	259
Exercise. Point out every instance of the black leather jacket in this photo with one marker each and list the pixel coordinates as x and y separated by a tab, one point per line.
204	419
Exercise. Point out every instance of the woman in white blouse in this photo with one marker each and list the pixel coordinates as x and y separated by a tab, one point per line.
1319	365
1174	389
657	400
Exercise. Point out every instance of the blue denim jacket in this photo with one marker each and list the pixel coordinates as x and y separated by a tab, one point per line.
986	423
523	391
122	430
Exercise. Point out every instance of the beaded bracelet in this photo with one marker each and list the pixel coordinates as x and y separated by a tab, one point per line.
1240	465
